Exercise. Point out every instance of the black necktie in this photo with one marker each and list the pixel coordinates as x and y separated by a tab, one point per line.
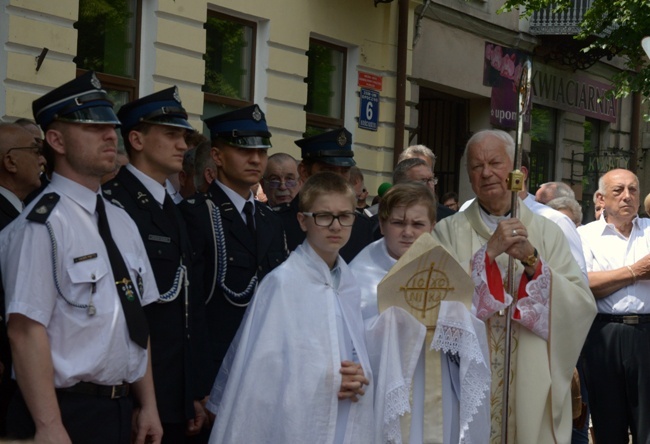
170	211
133	313
250	219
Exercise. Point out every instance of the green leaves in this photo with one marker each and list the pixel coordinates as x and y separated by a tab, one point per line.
618	27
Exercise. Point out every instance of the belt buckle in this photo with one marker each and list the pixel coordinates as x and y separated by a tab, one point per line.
113	394
631	320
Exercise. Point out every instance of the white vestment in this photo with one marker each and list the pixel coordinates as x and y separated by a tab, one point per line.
542	369
280	379
465	385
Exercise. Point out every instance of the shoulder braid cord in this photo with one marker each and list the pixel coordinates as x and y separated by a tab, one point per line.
180	279
90	307
221	263
181	275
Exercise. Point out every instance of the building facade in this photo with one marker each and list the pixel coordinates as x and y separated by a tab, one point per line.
464	60
394	74
310	65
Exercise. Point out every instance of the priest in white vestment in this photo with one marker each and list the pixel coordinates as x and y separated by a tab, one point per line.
554	307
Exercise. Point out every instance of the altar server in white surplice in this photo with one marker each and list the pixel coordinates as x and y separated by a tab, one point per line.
298	370
441	410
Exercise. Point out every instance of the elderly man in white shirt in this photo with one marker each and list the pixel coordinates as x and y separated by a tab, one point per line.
617	350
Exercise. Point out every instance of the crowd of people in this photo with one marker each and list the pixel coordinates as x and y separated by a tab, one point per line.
192	290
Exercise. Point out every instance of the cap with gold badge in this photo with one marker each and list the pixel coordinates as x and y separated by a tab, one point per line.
81	100
160	108
332	147
242	128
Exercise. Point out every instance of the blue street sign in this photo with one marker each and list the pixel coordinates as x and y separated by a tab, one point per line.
369	110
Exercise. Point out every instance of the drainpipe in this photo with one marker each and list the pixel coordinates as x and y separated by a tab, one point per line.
635	130
400	94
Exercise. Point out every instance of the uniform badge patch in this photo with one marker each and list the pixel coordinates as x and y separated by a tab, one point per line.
94	81
342	139
85	258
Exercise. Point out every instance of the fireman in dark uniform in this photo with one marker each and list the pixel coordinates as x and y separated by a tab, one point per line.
236	239
153	129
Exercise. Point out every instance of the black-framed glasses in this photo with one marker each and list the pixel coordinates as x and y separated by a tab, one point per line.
38	150
289	183
327	219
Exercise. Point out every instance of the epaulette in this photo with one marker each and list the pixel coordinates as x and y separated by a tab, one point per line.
43	208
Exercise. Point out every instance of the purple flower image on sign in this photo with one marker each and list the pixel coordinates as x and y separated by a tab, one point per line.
501	70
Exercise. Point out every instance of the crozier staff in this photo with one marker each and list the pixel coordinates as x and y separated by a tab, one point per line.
554	307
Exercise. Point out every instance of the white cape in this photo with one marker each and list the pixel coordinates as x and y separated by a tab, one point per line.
282	371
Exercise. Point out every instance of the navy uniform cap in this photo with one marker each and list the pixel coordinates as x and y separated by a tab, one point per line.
333	147
243	128
160	108
81	100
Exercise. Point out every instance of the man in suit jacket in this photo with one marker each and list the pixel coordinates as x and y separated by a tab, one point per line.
20	171
236	240
154	129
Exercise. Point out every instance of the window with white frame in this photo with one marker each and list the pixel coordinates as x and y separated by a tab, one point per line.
229	63
108	43
325	87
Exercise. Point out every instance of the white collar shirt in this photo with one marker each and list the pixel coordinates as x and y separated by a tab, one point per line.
607	249
92	348
237	200
12	198
155	189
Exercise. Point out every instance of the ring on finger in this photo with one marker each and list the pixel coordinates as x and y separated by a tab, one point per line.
514	232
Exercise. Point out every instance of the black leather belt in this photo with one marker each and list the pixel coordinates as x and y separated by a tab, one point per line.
630	319
106	391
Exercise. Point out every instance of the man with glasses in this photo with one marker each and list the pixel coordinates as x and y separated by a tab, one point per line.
281	180
414	169
20	169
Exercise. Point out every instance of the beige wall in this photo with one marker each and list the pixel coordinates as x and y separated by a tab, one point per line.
172	47
448	58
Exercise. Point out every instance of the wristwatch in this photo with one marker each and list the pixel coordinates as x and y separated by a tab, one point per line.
530	260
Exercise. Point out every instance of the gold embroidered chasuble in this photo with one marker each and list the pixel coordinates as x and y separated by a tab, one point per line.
541	371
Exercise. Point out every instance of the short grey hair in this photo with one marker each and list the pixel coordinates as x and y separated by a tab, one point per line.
601	186
553	190
280	158
418	150
400	173
508	141
202	160
570	204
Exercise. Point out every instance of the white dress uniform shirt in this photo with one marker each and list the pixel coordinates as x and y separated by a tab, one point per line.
92	348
